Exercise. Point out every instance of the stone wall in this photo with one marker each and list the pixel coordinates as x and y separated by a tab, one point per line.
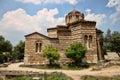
78	33
52	33
31	56
61	36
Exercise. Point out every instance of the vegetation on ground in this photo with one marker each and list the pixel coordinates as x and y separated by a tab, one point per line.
58	66
51	54
5	45
76	52
57	76
112	41
18	52
8	52
89	77
45	76
18	77
5	49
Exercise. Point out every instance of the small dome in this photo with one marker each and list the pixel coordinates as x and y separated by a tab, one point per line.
74	16
74	12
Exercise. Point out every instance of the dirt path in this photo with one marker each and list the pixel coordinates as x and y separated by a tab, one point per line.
75	74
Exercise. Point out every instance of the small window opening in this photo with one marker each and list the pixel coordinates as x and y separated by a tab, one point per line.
38	47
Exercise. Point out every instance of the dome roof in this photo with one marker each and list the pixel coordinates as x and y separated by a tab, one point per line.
74	16
74	12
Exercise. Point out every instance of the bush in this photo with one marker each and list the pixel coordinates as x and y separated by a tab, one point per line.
58	76
76	52
51	54
24	78
88	77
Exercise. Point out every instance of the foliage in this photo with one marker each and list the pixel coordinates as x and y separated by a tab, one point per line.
107	40
112	42
76	52
115	42
89	77
18	52
24	78
5	58
5	45
45	76
1	58
18	77
51	53
57	76
58	66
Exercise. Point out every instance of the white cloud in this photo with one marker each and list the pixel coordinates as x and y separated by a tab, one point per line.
49	1
99	18
113	3
116	15
19	20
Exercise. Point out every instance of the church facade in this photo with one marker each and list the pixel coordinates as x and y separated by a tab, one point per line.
76	30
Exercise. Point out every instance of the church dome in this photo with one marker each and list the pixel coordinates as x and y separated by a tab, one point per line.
74	16
74	12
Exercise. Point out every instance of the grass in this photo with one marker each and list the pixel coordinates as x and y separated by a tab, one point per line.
45	76
57	76
89	77
19	78
58	66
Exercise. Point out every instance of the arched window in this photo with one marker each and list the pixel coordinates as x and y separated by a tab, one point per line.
70	17
85	40
38	46
77	16
90	41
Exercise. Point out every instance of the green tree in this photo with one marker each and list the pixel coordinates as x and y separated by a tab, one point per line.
1	58
18	52
115	42
107	40
2	38
5	45
51	53
76	52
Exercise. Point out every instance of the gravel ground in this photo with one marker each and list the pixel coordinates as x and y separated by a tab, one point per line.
75	74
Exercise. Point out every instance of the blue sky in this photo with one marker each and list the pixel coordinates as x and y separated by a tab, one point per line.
21	17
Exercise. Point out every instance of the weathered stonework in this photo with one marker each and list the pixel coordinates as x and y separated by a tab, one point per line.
61	36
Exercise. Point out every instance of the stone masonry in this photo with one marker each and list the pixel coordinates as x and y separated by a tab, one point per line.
76	30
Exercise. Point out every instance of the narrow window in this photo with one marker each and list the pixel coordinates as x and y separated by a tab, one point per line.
85	40
70	17
90	41
38	47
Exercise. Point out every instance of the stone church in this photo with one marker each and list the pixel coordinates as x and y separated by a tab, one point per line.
76	29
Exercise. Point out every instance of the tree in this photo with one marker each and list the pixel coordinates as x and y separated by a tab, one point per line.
51	53
18	52
107	39
115	42
5	45
1	58
2	38
76	52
